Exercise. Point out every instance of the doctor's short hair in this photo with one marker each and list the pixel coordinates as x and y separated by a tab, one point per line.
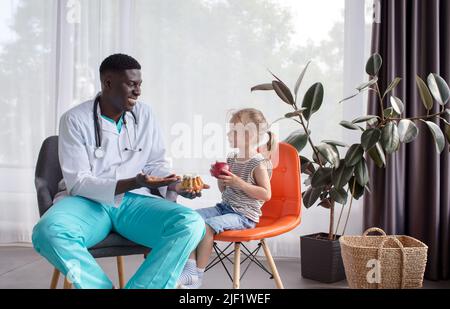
119	62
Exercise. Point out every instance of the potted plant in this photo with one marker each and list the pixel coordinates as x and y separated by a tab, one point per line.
337	172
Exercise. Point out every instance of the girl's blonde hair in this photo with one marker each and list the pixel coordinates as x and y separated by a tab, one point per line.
254	116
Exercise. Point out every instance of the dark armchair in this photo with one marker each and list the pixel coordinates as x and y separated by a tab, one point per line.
47	176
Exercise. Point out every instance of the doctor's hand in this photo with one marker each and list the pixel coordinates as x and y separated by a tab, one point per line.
152	182
189	193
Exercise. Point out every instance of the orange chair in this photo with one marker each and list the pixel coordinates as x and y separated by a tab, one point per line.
279	215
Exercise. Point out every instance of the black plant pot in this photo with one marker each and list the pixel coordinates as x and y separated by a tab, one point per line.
321	258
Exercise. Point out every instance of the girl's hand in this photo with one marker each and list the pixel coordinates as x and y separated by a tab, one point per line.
231	180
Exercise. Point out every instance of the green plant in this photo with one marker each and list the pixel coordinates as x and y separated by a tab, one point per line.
334	179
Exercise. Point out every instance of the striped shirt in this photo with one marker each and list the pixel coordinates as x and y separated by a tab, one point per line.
238	199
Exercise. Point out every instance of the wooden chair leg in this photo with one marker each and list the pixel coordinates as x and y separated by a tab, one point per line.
55	278
67	283
121	271
272	265
237	265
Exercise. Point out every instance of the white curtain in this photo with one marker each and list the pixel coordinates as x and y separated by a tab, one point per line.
200	58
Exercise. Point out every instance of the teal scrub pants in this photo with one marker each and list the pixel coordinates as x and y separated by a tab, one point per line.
75	223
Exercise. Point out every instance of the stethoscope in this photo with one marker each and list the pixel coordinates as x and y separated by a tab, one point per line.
99	152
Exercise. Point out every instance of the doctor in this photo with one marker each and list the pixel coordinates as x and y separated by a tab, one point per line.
116	178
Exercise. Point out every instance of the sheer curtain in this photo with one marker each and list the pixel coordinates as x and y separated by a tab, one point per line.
27	40
200	58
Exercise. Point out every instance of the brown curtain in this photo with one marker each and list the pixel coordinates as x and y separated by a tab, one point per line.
412	194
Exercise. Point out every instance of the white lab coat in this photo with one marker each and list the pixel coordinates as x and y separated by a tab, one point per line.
96	178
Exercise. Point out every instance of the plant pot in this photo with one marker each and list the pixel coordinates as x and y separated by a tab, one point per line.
321	258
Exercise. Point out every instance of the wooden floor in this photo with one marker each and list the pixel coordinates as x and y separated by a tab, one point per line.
22	267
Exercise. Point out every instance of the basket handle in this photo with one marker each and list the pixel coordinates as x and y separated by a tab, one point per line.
374	229
402	249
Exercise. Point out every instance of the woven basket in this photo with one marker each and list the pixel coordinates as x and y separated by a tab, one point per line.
383	262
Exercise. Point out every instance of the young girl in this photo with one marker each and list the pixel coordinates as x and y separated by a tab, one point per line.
244	189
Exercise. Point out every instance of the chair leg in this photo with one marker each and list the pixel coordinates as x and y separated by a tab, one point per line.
121	271
272	265
55	278
67	283
237	265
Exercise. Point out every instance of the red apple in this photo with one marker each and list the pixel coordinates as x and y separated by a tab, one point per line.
218	167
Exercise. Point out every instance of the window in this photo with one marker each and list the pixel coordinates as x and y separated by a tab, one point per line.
200	58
